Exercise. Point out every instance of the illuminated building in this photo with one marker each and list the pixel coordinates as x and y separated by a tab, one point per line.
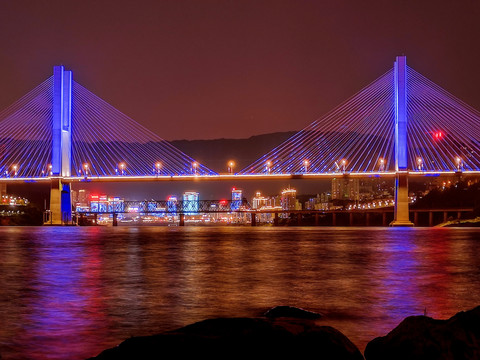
259	201
172	203
288	199
345	189
320	202
236	199
115	204
82	197
101	204
190	202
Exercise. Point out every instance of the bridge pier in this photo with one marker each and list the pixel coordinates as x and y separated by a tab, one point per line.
401	211
275	219
60	203
181	220
254	219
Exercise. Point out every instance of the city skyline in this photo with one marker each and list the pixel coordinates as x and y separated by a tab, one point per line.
222	69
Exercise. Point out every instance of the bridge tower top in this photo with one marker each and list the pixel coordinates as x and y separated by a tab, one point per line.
62	122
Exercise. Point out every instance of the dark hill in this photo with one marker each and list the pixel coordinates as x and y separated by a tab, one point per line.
216	153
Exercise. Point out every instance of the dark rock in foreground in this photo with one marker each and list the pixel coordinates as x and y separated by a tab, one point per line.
421	337
292	312
235	338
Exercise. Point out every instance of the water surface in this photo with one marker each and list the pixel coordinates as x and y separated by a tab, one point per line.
70	292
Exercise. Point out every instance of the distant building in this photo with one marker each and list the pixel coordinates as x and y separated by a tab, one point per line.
345	188
288	199
236	199
190	202
82	196
259	201
320	202
172	203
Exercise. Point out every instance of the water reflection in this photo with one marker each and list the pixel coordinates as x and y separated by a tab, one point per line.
71	292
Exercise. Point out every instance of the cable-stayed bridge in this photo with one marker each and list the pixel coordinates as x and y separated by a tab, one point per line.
400	125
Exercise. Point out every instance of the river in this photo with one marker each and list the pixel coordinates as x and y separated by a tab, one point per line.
70	292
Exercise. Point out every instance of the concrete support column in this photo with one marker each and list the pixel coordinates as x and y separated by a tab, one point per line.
299	219
401	216
415	218
60	203
181	220
384	218
316	219
334	219
254	219
430	218
275	219
350	218
445	216
55	202
367	219
115	220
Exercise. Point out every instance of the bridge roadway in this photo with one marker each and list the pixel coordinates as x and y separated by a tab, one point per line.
225	177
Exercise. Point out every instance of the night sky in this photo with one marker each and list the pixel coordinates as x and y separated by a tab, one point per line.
206	69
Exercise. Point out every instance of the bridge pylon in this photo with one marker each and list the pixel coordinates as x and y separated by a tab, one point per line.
60	194
401	212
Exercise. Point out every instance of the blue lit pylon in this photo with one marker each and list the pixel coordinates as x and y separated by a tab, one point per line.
62	122
401	214
60	196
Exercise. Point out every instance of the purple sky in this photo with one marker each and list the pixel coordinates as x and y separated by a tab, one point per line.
206	69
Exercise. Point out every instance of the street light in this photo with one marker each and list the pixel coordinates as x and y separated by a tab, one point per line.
459	163
382	165
194	167
344	164
85	169
268	166
122	168
231	164
419	163
14	170
305	165
158	166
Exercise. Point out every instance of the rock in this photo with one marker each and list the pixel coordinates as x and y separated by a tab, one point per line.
421	337
292	312
235	338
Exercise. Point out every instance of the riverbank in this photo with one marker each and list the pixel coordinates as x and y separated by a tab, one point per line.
461	223
288	332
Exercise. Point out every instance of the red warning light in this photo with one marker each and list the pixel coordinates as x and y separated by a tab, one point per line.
438	135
